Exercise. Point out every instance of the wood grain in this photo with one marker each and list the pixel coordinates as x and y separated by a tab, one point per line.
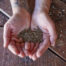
48	59
60	26
6	6
8	59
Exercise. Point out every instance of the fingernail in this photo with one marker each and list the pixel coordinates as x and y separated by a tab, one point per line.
38	55
53	44
4	45
15	53
21	56
30	56
33	58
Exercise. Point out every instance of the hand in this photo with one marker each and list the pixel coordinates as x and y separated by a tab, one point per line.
18	22
45	23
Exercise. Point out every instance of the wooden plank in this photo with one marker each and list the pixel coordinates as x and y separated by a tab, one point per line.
48	59
1	47
60	46
3	19
8	59
5	5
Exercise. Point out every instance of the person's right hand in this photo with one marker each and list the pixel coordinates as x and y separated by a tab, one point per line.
47	26
13	26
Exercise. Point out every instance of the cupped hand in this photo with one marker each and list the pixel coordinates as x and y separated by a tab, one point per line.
18	22
45	23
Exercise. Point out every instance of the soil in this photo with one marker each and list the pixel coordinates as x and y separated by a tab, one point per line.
31	36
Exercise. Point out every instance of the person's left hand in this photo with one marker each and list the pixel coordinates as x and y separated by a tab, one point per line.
17	23
45	23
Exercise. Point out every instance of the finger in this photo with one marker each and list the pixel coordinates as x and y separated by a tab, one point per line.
32	46
34	50
27	46
43	47
53	40
22	45
12	47
22	50
27	53
7	35
34	57
53	36
33	54
42	50
19	46
31	49
52	32
16	39
27	49
22	54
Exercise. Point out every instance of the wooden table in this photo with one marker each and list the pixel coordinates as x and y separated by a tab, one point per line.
54	56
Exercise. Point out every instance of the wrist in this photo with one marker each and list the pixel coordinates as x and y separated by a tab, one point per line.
42	5
18	10
37	11
22	13
18	5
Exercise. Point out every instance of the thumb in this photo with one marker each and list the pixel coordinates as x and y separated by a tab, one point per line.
53	40
6	35
53	35
52	32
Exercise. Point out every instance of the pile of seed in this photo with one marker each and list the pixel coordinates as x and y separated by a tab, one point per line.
31	36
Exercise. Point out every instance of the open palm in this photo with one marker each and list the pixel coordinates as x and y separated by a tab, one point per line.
45	23
14	25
